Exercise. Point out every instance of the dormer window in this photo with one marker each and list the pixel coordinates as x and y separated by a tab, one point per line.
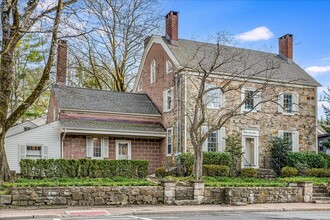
169	67
153	71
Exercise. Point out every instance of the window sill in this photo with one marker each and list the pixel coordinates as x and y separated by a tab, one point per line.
167	110
214	108
97	158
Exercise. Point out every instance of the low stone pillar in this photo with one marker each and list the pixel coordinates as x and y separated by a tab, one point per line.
169	191
198	190
308	190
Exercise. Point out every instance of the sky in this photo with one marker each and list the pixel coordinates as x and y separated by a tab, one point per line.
258	25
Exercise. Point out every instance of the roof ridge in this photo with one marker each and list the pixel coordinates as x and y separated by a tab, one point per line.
100	90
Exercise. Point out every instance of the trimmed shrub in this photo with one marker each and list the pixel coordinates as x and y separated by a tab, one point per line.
319	172
42	168
280	149
289	171
312	160
327	157
217	158
215	170
302	168
160	172
249	172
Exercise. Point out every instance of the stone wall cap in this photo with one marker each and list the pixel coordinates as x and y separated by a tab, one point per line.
167	181
196	181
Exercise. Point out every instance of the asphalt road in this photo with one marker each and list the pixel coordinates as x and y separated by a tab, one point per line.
306	215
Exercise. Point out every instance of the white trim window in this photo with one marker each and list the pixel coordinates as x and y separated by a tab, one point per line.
97	147
252	100
168	100
153	71
33	151
292	137
123	150
169	67
214	98
288	103
169	141
216	141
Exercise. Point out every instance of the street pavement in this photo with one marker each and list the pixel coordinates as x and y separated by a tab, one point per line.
191	212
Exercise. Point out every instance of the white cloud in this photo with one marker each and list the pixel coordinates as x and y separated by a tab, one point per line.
325	59
259	33
316	70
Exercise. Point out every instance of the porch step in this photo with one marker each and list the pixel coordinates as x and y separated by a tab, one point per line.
320	194
322	201
186	202
320	189
266	173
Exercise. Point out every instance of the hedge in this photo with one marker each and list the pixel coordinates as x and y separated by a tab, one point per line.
215	170
51	168
211	158
312	160
289	171
249	172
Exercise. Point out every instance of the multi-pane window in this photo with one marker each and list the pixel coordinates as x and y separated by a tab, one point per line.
291	138
153	71
287	103
212	142
249	100
33	152
288	138
169	141
97	149
213	96
168	100
169	67
216	140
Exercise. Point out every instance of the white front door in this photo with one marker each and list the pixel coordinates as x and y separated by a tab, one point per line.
250	149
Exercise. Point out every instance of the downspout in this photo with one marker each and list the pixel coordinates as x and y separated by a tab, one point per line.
316	123
62	144
185	112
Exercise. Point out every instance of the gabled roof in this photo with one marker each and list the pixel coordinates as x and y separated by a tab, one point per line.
93	100
247	62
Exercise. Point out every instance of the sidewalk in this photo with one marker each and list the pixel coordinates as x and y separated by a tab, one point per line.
35	212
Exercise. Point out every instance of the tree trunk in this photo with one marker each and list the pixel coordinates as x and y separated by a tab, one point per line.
5	174
198	163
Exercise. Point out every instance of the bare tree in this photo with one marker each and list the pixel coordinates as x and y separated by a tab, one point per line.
109	55
234	69
17	19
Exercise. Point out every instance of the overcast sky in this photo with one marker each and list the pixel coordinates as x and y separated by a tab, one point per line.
258	24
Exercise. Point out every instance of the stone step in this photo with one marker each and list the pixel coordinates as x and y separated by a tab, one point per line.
321	195
321	198
322	201
319	190
186	202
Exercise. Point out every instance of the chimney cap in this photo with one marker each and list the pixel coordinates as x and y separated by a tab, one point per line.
172	12
286	35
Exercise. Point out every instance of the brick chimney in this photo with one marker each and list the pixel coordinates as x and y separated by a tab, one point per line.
172	20
285	44
61	63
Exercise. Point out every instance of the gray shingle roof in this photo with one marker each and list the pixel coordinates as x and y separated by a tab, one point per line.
105	101
110	125
244	62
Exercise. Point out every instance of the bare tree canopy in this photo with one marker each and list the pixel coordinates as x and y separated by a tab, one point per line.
108	56
19	18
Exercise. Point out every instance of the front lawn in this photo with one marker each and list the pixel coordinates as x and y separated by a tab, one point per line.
252	182
55	182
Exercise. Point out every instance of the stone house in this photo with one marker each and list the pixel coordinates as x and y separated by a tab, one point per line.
153	122
169	74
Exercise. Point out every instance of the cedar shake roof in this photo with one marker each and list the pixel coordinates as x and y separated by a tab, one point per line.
111	125
246	62
94	100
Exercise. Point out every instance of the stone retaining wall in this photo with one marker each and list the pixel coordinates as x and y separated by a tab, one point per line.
167	193
72	196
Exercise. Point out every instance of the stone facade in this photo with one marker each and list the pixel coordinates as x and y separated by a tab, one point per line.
167	193
141	149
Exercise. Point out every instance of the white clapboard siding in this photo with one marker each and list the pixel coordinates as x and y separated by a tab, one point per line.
46	135
20	128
